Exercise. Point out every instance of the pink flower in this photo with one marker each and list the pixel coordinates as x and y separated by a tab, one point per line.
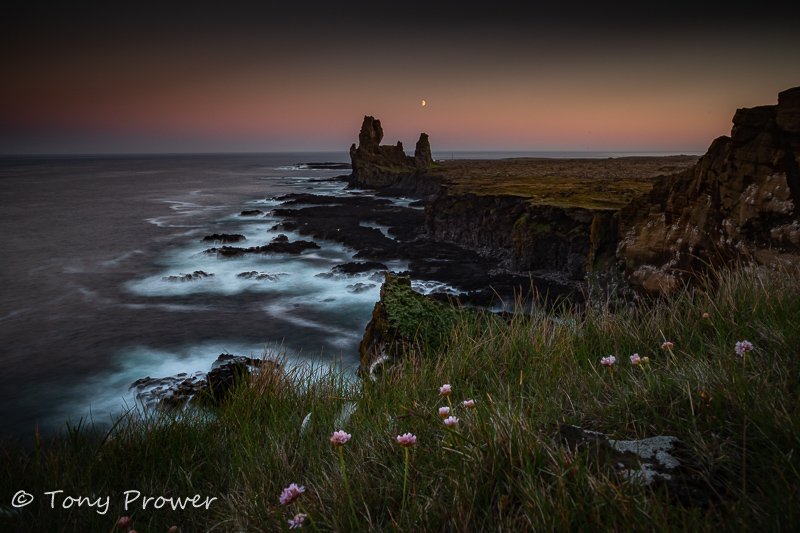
469	404
445	390
174	529
124	522
667	345
451	421
635	359
406	440
444	412
340	438
608	361
706	315
742	347
297	521
291	493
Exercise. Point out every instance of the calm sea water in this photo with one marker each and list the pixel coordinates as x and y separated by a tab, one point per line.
85	310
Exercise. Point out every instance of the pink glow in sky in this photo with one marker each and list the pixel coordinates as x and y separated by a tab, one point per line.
240	87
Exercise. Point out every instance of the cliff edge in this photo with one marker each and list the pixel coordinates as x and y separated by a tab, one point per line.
739	202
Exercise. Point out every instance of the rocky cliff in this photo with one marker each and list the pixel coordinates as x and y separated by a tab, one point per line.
559	242
380	166
739	202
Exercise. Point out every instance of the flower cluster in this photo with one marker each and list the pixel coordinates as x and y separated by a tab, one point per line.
340	438
291	493
608	361
451	421
406	440
297	521
742	347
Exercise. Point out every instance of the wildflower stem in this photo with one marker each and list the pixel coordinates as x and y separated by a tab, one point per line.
405	476
346	483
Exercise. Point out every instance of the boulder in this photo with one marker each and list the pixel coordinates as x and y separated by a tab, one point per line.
662	462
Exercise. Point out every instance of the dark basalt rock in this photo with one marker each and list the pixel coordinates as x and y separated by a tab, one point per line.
224	238
279	245
358	267
182	278
251	212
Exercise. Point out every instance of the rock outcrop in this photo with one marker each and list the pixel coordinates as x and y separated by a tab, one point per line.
565	242
207	388
387	166
403	322
741	201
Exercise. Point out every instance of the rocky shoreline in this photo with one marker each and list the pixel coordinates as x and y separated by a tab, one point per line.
510	227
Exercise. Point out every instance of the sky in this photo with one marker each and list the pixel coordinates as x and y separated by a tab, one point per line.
299	75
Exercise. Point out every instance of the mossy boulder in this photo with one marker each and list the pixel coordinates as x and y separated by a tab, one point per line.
404	323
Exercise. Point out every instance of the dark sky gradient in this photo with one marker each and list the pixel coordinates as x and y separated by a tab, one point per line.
301	75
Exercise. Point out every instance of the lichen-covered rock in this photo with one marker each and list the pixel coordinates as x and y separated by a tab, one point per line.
741	201
661	461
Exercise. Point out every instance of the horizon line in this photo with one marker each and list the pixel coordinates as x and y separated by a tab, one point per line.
311	151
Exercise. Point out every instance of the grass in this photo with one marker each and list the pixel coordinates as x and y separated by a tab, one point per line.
603	184
504	468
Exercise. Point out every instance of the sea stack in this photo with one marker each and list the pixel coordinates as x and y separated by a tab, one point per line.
380	166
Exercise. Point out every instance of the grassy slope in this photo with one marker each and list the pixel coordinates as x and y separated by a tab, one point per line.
504	469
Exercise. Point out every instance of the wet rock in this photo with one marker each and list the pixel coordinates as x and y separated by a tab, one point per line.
251	212
662	462
358	288
279	245
224	238
226	372
259	276
353	268
182	278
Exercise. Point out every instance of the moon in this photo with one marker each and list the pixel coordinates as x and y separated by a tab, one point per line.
424	103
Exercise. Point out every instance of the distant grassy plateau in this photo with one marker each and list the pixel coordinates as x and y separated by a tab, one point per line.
608	183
